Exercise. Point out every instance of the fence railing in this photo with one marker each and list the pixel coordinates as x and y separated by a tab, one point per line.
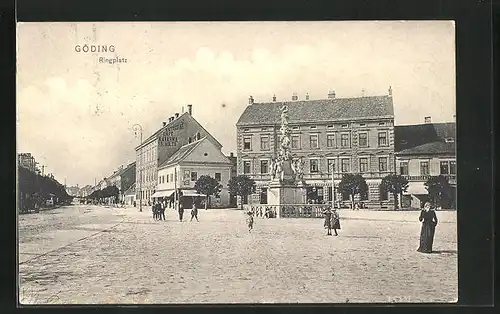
291	210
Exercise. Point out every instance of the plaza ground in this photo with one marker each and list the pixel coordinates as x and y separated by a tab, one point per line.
96	255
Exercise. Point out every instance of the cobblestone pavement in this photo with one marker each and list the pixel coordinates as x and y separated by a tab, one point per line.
93	255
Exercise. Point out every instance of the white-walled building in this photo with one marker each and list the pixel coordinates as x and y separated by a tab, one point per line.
191	161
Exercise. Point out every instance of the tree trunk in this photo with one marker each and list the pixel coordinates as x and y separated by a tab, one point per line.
241	202
396	204
206	201
352	201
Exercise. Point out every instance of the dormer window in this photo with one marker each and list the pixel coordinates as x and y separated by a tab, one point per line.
381	123
449	140
345	125
362	124
295	128
245	130
313	127
264	129
330	127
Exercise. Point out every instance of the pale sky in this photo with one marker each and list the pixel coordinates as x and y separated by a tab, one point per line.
76	115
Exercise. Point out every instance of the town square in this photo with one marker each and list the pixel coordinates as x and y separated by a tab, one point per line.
102	255
238	166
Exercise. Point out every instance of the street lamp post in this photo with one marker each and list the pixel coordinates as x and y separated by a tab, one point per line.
138	128
333	186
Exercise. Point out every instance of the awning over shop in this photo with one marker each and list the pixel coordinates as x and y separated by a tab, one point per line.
162	194
193	194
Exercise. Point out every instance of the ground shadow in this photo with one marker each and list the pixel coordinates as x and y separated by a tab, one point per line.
360	237
445	252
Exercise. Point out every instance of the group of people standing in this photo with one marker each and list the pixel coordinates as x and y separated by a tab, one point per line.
158	209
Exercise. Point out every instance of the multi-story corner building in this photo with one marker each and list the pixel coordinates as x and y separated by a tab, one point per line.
339	135
422	151
190	162
159	147
27	161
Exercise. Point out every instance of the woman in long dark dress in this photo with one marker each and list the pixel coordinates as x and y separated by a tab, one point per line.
335	221
429	221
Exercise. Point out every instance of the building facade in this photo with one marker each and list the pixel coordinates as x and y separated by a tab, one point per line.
123	178
339	135
199	158
423	151
159	147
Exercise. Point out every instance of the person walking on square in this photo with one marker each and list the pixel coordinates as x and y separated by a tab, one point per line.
161	207
328	221
194	212
250	220
335	221
429	221
181	211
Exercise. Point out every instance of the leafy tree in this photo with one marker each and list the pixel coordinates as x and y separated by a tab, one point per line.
353	184
208	186
241	185
438	187
395	184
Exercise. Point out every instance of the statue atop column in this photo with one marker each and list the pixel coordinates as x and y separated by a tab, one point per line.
285	135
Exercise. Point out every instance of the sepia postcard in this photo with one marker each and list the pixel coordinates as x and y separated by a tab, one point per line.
236	162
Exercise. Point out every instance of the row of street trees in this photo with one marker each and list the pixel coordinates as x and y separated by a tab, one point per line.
35	189
438	187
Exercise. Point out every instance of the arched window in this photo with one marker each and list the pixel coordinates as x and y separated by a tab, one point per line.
198	136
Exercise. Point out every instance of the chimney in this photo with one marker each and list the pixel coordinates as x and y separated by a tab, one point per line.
250	100
171	119
164	123
190	109
182	109
307	96
427	119
331	94
295	97
274	98
390	91
176	115
231	155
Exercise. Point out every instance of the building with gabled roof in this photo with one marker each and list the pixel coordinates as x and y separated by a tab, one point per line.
422	151
181	129
332	135
193	160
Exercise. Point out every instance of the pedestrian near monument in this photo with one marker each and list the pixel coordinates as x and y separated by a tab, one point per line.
327	213
161	207
429	221
335	222
181	211
194	212
250	220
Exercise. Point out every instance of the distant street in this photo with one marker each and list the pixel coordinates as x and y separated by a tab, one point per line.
86	254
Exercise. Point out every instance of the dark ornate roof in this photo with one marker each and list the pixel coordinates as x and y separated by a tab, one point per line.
323	110
433	148
409	136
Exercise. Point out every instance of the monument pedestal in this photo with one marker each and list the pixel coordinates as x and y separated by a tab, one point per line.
282	193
